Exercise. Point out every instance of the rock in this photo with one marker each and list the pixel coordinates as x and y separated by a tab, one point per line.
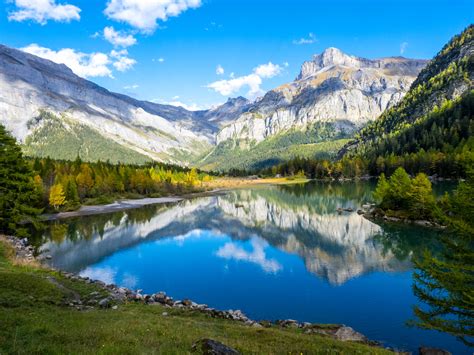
432	351
122	290
424	223
164	314
160	297
212	347
348	334
187	303
115	307
265	323
44	84
332	84
287	323
104	303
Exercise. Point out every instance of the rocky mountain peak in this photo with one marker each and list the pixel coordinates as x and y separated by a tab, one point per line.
239	100
329	57
333	56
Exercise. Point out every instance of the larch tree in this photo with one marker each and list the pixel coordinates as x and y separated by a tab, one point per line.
56	196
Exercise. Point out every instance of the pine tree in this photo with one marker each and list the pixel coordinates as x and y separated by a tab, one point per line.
421	197
445	283
72	195
381	190
18	194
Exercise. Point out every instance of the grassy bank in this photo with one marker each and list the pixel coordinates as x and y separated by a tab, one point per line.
235	182
36	318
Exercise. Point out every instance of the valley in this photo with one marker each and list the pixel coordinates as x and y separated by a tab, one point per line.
334	95
229	177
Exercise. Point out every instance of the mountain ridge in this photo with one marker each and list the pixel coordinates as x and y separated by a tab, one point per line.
335	91
443	86
29	84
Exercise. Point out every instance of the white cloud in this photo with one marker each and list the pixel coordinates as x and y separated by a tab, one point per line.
190	107
131	87
403	47
144	14
268	70
232	251
252	81
160	60
121	60
118	39
82	64
43	10
308	40
232	86
219	70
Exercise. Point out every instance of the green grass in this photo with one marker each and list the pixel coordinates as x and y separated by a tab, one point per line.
229	154
320	140
34	319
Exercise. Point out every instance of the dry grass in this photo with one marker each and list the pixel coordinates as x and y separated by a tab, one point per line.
229	182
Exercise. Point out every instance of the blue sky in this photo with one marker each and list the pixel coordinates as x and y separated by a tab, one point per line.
170	50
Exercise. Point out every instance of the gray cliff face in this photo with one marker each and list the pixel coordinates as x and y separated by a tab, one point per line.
333	87
29	84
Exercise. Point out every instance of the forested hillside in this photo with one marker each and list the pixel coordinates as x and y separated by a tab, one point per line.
433	124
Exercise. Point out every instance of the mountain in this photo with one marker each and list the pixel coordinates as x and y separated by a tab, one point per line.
54	112
435	120
334	95
227	112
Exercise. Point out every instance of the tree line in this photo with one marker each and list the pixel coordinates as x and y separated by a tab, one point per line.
68	184
30	186
443	281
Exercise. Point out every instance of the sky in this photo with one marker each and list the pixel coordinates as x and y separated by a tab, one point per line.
198	53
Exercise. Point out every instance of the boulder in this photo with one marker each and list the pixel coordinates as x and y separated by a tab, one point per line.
348	334
104	303
432	351
212	347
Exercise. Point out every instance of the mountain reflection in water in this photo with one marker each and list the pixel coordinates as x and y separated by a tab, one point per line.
298	220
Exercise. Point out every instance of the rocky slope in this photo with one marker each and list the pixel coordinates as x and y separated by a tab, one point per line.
31	86
45	105
444	84
334	87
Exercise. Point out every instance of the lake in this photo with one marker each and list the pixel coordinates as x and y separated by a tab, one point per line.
274	252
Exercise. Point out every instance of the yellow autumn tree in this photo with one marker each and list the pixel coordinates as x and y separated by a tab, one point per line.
191	177
56	196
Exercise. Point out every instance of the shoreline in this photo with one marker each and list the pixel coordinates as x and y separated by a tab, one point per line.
116	296
127	204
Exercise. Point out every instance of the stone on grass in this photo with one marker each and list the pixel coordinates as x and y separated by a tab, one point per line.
349	334
212	347
432	351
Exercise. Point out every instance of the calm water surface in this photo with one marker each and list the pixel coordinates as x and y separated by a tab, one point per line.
273	252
